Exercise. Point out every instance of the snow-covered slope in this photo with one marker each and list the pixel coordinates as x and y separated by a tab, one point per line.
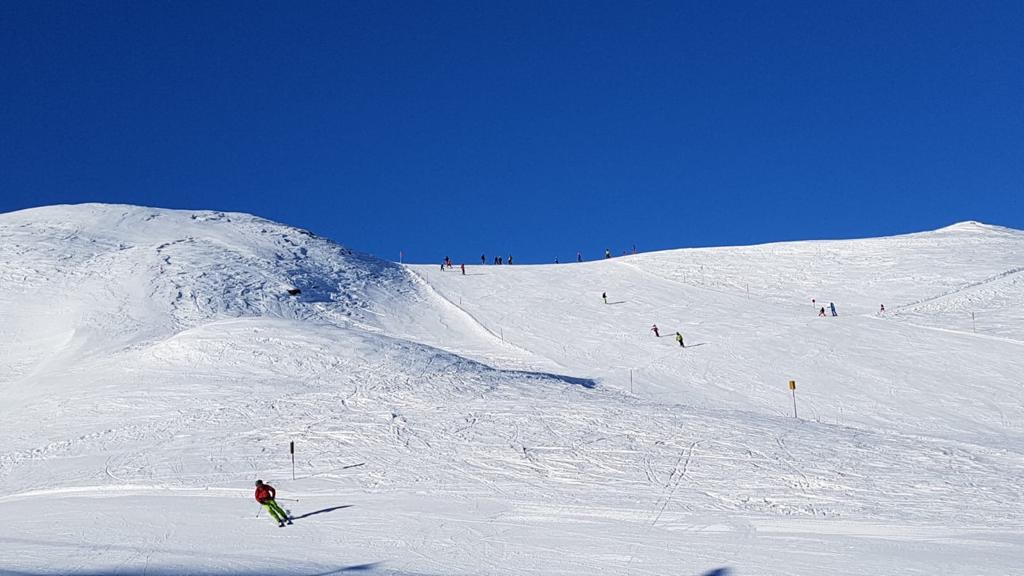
96	278
910	369
938	278
154	365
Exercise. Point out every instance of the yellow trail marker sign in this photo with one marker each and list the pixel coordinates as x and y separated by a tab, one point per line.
792	384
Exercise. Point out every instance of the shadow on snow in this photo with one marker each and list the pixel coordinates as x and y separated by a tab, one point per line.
373	568
585	382
323	511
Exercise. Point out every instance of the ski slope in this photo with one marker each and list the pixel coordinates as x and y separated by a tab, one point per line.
890	372
506	421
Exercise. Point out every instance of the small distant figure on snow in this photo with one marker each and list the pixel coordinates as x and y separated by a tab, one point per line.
881	310
442	266
822	313
604	296
556	259
463	266
679	338
510	259
265	495
832	305
634	249
607	253
654	328
483	260
447	261
814	304
579	257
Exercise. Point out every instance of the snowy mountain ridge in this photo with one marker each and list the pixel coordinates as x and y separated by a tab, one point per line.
508	420
100	276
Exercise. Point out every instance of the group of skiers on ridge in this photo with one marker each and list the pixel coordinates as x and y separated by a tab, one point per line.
447	262
499	260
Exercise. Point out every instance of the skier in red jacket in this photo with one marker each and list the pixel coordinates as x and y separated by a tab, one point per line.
265	495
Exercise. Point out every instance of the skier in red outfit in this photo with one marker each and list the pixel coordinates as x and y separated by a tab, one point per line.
265	495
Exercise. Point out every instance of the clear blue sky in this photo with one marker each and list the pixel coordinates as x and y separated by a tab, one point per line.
535	129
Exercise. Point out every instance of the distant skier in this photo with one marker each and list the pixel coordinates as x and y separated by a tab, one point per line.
463	267
604	296
881	310
822	313
832	305
679	338
265	495
483	260
579	257
510	259
607	253
654	328
556	259
442	266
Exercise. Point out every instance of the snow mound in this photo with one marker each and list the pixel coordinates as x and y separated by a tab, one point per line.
975	227
93	278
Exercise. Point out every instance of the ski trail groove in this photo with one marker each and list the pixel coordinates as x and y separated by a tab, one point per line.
447	303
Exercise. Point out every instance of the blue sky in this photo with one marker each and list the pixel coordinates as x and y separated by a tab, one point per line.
536	129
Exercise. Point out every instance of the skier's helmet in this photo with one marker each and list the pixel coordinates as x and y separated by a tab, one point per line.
259	482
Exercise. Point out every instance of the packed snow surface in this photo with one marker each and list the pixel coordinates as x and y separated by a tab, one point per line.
508	420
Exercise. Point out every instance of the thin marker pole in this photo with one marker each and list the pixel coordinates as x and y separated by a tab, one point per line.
792	388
